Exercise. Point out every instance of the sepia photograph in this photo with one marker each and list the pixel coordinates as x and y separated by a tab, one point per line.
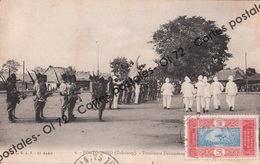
129	81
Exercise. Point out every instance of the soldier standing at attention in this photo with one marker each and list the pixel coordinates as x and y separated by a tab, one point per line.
187	89
200	94
64	95
110	92
167	91
216	89
43	92
12	97
73	92
137	92
39	101
207	94
231	92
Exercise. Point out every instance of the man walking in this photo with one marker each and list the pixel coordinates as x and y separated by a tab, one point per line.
187	89
200	94
167	90
216	89
207	95
231	92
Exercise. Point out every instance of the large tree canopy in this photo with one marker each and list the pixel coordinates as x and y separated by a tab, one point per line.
10	65
206	59
120	66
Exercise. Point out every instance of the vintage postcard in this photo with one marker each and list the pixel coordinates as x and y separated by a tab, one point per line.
129	81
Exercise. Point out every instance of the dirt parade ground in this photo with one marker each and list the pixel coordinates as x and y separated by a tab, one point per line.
146	126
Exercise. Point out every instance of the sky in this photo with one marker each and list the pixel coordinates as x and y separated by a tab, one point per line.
75	32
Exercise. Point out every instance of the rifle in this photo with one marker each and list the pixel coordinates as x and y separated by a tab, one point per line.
4	80
30	76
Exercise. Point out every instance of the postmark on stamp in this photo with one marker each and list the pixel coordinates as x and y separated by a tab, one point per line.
221	136
96	157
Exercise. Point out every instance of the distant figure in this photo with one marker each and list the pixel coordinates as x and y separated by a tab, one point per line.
167	91
187	89
110	92
137	92
200	94
231	92
207	94
116	83
216	89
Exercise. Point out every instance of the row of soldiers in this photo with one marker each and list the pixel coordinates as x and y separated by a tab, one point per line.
138	92
68	92
203	92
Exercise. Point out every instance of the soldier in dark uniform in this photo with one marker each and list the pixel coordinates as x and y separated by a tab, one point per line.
43	92
73	92
12	97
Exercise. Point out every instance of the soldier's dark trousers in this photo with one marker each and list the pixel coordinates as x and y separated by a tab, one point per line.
64	105
38	106
101	109
10	108
71	106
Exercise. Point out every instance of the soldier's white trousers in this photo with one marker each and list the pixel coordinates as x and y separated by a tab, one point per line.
115	101
231	100
167	101
207	102
216	100
137	97
200	102
188	101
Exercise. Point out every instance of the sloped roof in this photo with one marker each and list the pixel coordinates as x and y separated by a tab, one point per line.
255	77
223	75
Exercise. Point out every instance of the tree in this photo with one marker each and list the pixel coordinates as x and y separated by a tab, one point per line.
11	65
120	66
39	70
250	71
179	35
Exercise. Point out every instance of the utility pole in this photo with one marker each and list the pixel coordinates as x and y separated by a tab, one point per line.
23	75
98	59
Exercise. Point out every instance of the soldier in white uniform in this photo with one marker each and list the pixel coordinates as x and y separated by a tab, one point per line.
216	89
200	94
187	89
231	92
207	95
167	90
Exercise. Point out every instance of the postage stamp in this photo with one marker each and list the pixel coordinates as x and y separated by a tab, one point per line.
96	157
221	136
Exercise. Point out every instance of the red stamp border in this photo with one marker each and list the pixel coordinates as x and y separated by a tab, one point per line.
248	125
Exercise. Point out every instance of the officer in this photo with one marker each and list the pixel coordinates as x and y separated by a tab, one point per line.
167	91
200	94
187	89
64	95
216	89
231	92
207	94
12	97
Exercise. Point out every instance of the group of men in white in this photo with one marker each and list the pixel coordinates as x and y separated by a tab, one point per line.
203	91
